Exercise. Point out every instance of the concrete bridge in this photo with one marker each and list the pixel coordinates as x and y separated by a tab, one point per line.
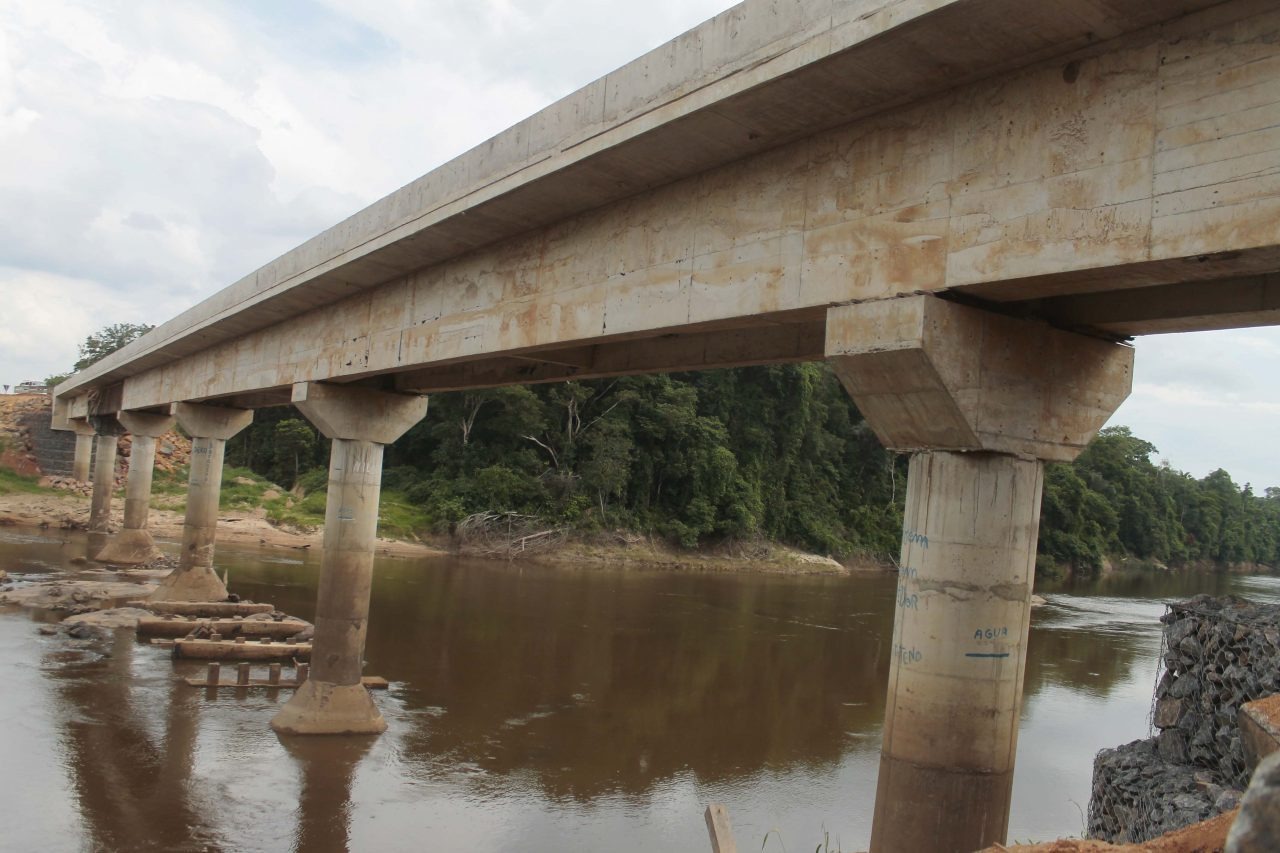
968	207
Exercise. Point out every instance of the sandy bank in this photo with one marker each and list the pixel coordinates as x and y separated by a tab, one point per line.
70	511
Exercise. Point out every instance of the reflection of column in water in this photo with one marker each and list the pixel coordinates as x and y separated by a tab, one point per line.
327	767
133	792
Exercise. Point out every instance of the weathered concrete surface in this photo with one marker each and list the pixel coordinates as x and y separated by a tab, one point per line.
104	475
209	427
1257	828
1144	160
930	374
958	653
358	414
84	448
359	422
133	544
981	400
1260	729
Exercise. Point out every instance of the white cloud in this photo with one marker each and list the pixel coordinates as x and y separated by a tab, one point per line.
1210	400
157	150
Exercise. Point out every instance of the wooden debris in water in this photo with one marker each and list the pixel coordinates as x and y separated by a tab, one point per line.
236	649
174	626
204	608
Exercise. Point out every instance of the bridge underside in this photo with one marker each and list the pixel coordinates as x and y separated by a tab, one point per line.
966	207
1120	188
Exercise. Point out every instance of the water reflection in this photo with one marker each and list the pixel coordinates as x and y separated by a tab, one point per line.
128	762
559	709
327	769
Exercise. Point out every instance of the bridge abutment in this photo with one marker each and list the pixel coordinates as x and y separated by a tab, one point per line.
980	401
360	422
209	427
132	544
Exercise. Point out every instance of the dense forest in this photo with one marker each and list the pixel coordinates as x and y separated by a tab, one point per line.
775	452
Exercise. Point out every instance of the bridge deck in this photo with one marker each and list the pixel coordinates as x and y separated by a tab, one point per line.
778	159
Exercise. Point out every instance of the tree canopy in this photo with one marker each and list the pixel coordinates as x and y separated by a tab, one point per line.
107	340
776	452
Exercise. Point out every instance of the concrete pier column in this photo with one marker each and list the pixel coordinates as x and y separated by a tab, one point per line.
104	477
959	649
133	544
84	449
360	422
209	428
980	401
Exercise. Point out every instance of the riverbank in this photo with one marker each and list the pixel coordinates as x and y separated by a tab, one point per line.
50	509
57	510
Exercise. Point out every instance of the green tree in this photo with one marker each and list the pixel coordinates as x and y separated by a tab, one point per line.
107	340
294	439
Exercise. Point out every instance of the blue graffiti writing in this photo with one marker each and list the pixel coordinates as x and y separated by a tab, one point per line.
911	537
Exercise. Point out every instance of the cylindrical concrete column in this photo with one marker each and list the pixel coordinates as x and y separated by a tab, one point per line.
210	426
104	475
360	422
137	485
342	602
84	454
958	653
195	579
350	533
133	544
204	487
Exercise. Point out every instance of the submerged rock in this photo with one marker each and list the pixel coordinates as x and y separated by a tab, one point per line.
116	617
77	596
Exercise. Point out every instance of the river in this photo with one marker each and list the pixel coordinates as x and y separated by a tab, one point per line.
544	709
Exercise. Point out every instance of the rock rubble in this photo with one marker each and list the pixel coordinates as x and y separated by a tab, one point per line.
1218	654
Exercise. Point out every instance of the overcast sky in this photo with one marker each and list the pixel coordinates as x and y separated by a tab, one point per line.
154	151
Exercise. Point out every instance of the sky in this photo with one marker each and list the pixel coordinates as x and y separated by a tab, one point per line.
155	151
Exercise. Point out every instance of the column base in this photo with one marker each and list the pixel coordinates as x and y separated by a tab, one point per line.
320	708
940	809
194	584
130	548
97	540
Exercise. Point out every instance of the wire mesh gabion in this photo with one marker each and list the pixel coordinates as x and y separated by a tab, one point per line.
1216	655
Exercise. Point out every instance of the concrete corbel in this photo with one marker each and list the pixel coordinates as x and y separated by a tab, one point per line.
358	414
928	374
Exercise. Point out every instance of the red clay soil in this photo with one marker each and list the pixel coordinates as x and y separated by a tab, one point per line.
1207	837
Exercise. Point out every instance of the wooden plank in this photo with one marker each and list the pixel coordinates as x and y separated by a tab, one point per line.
172	626
205	608
719	829
231	650
370	682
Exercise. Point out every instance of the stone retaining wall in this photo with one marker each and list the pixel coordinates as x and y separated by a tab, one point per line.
1217	655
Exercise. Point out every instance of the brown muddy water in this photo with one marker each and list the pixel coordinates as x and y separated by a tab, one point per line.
542	709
